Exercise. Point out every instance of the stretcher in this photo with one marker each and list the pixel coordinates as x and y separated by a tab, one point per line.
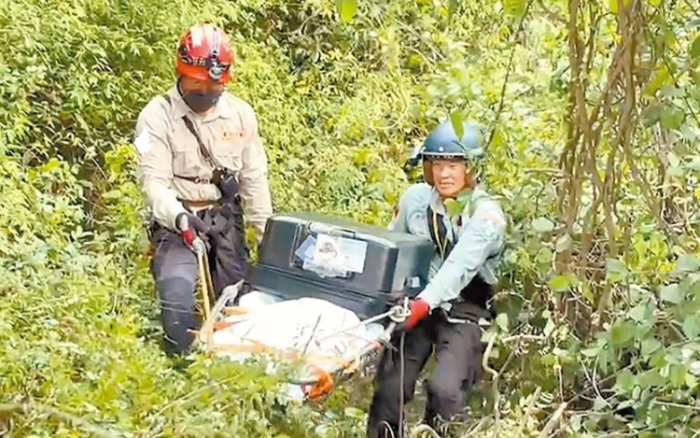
317	299
330	342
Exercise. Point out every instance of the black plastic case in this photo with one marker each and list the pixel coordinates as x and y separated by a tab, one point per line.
378	262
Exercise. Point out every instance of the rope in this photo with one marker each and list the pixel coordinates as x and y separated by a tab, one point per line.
205	284
402	378
395	314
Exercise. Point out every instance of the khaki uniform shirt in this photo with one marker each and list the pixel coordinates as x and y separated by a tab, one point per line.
230	134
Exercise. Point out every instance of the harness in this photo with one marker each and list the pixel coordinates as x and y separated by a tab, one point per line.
230	210
438	234
218	172
477	292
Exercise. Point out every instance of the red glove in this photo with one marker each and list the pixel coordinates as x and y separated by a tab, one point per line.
419	310
189	225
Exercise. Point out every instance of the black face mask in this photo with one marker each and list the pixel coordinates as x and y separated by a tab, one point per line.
200	101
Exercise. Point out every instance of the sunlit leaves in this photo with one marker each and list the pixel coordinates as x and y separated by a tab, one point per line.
456	118
515	8
346	9
562	283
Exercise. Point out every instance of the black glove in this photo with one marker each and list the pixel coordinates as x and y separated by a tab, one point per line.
189	226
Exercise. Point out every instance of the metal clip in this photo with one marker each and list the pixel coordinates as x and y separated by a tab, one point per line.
400	314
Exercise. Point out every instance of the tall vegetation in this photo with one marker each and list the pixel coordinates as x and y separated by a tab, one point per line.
593	123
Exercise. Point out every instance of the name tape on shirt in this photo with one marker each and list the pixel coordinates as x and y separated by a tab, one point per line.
143	142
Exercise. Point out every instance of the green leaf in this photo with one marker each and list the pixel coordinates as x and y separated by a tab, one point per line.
544	256
661	79
649	346
686	263
694	51
456	118
672	118
695	289
691	326
677	374
590	352
621	333
686	285
560	283
650	378
453	7
515	8
639	313
625	381
453	207
51	165
616	266
615	270
347	9
467	198
564	243
671	293
502	321
542	225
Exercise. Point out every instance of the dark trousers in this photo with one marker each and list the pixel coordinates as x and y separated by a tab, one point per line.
458	349
175	271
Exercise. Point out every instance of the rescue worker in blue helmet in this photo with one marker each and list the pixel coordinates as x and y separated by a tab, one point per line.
444	316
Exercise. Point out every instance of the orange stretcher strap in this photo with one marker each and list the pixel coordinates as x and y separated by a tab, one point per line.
230	311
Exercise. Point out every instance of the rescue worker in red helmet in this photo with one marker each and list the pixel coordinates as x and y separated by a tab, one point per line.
201	167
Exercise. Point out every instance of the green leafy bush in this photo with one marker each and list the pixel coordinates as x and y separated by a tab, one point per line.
344	90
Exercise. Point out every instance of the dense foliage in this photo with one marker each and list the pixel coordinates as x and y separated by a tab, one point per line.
592	112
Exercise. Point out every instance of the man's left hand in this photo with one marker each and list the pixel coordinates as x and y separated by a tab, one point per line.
419	311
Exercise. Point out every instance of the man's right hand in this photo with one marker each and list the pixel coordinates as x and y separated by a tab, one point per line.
190	226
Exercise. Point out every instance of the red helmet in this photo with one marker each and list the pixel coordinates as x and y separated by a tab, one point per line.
205	53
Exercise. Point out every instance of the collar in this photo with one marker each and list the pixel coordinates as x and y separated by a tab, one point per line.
436	201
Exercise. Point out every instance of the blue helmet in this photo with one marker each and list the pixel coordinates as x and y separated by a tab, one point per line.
444	143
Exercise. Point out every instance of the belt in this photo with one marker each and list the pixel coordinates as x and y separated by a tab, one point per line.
198	204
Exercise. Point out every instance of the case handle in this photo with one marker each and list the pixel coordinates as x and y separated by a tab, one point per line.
318	227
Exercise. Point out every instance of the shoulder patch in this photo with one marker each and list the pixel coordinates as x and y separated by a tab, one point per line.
143	142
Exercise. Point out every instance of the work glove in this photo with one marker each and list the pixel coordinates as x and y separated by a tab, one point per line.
419	311
191	227
230	188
